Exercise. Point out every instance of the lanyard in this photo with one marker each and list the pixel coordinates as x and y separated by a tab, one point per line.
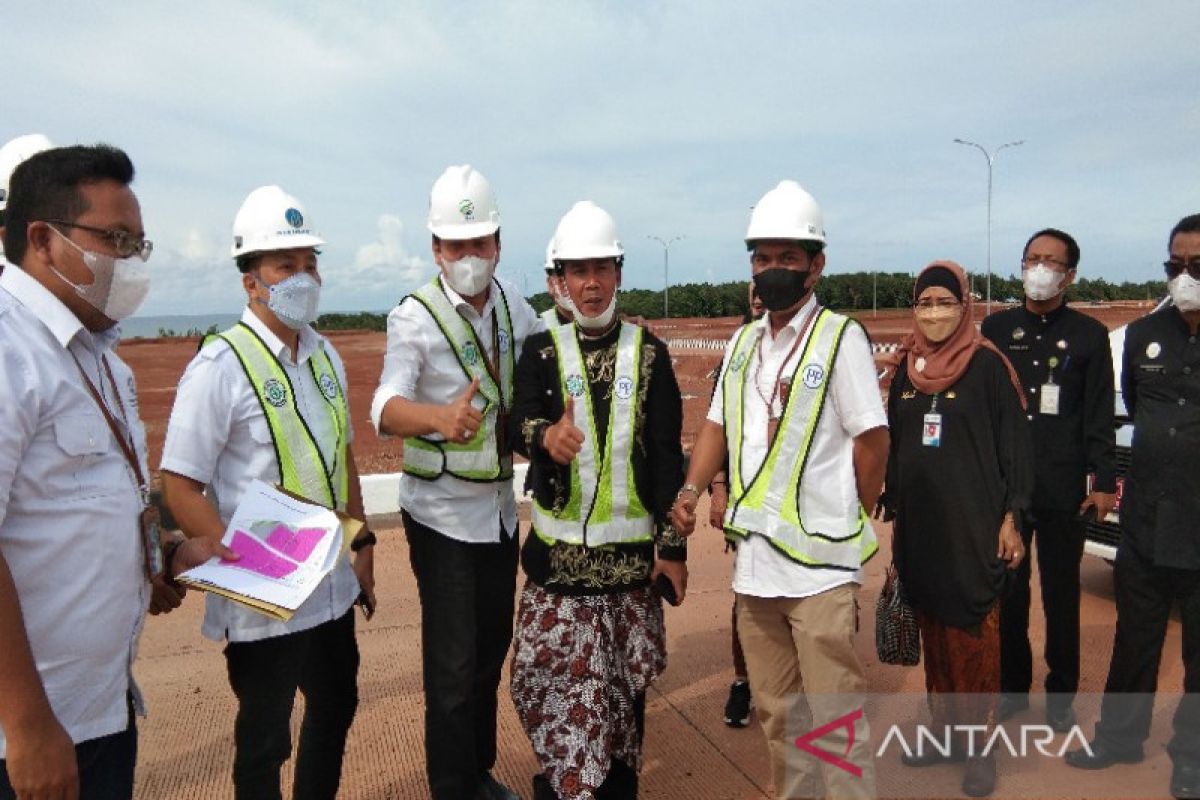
125	442
770	401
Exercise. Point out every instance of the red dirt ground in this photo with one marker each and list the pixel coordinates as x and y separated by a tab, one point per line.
158	364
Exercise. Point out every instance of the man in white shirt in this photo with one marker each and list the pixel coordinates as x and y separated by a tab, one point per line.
446	388
798	415
76	542
266	399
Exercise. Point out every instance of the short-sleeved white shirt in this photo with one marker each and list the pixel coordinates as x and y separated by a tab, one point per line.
420	365
219	436
828	487
69	505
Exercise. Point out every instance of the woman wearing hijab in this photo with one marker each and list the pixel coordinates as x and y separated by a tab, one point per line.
960	475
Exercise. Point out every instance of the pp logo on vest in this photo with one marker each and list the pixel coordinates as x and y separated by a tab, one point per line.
328	387
624	388
575	386
275	393
502	338
470	354
739	361
813	376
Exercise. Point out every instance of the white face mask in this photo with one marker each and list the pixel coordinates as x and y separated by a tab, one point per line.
596	323
294	300
470	275
1185	292
119	285
561	297
1041	282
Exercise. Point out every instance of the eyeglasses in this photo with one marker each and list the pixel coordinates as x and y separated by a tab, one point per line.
1175	268
941	302
1031	261
125	243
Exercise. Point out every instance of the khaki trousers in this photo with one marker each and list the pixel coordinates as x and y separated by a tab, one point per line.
803	674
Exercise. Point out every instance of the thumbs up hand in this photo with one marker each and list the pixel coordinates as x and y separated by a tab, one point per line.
563	440
459	419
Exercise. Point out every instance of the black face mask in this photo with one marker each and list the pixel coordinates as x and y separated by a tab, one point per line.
780	288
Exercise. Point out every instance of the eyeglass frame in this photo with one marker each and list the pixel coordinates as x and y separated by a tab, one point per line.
937	302
1176	268
138	246
1033	261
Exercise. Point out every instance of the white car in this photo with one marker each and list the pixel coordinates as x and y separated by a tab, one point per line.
1102	536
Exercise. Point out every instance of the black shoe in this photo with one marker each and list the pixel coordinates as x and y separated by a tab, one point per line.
737	707
979	778
1011	704
492	789
1185	781
1060	718
932	757
542	789
1103	755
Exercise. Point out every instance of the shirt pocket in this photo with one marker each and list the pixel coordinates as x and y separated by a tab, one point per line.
90	464
260	430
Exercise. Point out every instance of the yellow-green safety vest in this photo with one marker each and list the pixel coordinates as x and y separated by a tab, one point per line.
302	464
550	317
604	506
479	459
767	502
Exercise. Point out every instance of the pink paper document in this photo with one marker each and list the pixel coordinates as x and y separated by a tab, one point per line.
295	544
255	557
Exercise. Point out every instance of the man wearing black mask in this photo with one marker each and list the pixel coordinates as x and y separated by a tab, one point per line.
797	388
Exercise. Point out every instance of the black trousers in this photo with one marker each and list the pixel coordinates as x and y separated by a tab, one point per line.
1059	536
1144	595
467	592
105	767
321	662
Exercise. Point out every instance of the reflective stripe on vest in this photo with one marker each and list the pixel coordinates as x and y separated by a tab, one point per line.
478	459
302	465
767	503
550	317
604	506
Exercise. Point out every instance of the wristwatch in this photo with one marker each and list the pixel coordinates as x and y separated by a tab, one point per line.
364	540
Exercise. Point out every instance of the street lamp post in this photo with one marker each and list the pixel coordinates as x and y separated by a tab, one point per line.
666	246
991	161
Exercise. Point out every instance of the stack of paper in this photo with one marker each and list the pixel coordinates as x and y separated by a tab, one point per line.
287	546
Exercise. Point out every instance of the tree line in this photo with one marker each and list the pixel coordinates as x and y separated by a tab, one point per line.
845	292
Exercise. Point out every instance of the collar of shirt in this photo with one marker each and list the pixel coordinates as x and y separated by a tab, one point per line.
57	318
1046	319
309	340
795	325
464	307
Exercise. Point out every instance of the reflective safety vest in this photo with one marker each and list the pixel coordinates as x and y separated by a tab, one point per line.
481	459
550	317
767	502
302	465
603	507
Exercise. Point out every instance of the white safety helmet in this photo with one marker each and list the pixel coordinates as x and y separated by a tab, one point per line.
462	205
13	153
786	212
586	231
550	255
272	219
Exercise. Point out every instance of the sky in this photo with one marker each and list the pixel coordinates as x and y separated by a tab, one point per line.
676	117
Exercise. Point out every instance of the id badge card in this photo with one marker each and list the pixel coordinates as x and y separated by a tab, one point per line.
931	434
1049	401
148	523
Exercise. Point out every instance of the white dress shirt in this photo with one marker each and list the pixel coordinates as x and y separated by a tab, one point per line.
420	366
218	435
69	506
828	488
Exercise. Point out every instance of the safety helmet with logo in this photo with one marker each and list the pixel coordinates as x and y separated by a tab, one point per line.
462	205
271	219
13	153
550	256
786	212
586	231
